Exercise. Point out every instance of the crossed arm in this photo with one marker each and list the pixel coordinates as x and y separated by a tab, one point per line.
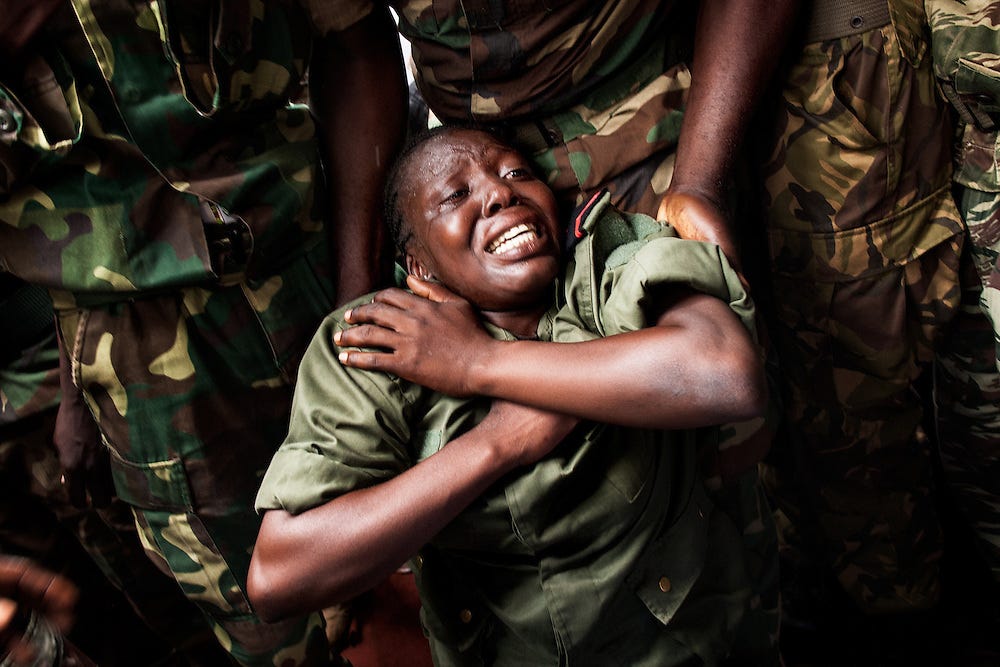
696	366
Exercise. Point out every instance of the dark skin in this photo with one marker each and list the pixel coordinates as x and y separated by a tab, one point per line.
479	217
362	128
737	45
25	584
725	85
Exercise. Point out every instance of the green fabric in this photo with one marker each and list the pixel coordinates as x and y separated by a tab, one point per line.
127	118
596	525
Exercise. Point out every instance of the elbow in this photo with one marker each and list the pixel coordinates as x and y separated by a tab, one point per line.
264	595
747	387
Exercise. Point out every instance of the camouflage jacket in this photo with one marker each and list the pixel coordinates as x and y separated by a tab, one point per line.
136	125
965	46
482	60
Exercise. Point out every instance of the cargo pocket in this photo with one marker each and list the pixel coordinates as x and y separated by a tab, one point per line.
177	536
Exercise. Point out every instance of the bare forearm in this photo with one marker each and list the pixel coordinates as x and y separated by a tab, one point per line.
666	378
737	45
337	550
359	97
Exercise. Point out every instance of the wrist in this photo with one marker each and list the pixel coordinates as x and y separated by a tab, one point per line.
482	367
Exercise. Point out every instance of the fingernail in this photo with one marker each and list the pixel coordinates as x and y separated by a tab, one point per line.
347	314
342	357
336	337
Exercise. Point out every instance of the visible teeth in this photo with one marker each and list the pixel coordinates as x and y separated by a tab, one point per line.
513	238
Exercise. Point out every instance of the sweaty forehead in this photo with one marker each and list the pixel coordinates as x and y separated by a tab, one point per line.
451	153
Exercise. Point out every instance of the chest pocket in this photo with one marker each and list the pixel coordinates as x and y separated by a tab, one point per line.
233	55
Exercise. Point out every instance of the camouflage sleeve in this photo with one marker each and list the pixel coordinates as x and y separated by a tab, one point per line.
330	17
348	430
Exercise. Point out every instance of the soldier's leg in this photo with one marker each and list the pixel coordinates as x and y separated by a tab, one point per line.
968	387
192	391
864	247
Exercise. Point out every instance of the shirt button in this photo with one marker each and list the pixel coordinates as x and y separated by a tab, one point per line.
665	584
465	616
418	561
857	22
7	122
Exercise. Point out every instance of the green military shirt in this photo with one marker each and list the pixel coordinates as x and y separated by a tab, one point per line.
124	133
608	550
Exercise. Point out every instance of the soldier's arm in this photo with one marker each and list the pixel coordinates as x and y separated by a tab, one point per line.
357	90
737	45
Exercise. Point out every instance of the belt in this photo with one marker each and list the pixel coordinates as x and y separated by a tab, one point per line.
832	19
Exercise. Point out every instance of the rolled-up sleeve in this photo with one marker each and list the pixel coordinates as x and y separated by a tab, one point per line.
348	430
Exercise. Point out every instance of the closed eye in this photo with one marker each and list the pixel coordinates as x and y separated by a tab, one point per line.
457	195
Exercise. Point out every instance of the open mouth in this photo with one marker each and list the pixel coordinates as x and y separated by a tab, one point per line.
512	239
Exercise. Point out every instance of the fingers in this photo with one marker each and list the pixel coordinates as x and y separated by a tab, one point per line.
434	291
386	309
8	608
40	589
370	361
368	336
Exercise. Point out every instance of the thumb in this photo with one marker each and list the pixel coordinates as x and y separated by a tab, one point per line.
429	290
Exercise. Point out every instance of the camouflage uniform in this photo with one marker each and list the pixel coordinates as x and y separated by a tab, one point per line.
593	91
36	517
156	178
965	48
865	244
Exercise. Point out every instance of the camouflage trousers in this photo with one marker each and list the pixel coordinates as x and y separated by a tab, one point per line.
36	519
968	381
192	390
865	243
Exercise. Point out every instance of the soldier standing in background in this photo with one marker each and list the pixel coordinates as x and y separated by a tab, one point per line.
965	48
866	251
63	524
156	179
965	51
